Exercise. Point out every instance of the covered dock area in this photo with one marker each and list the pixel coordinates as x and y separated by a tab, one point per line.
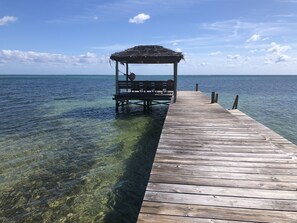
149	92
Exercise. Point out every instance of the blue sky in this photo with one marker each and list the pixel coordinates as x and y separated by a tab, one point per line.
216	36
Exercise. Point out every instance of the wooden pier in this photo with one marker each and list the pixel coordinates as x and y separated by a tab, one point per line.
219	166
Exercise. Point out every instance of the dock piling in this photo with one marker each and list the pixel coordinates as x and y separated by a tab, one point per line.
216	98
235	104
213	95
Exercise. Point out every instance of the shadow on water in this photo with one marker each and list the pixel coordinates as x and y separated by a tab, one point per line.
98	113
129	190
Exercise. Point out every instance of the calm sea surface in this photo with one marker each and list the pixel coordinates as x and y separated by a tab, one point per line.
66	156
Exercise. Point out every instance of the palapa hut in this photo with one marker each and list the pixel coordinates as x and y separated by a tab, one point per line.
146	91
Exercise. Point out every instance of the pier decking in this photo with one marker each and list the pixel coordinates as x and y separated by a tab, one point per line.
214	165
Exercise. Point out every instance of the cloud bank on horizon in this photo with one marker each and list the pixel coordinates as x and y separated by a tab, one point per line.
216	36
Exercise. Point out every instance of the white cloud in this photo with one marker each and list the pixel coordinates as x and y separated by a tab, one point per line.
290	15
140	18
254	51
178	50
240	28
276	58
235	57
115	47
84	58
30	57
195	40
203	64
288	1
228	25
7	56
104	59
7	19
282	58
276	48
254	38
276	53
216	53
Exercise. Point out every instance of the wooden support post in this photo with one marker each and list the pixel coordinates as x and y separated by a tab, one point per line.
117	78
144	105
216	98
175	81
235	104
197	89
117	106
127	73
116	85
213	94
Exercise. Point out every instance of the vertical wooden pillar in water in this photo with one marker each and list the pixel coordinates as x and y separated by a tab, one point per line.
117	78
175	81
127	71
213	96
235	104
116	84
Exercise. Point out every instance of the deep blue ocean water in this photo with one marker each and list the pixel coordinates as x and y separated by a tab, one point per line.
66	156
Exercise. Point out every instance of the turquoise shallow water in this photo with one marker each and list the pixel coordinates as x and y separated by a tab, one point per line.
66	156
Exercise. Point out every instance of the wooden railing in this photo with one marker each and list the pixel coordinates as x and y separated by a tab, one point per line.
146	86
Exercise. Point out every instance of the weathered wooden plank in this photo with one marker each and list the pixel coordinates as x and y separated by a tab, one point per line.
208	181
217	141
193	161
179	168
222	201
225	149
220	154
154	218
222	213
240	141
201	145
240	159
211	135
222	191
241	178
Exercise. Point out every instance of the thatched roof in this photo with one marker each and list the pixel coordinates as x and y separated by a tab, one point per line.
152	54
